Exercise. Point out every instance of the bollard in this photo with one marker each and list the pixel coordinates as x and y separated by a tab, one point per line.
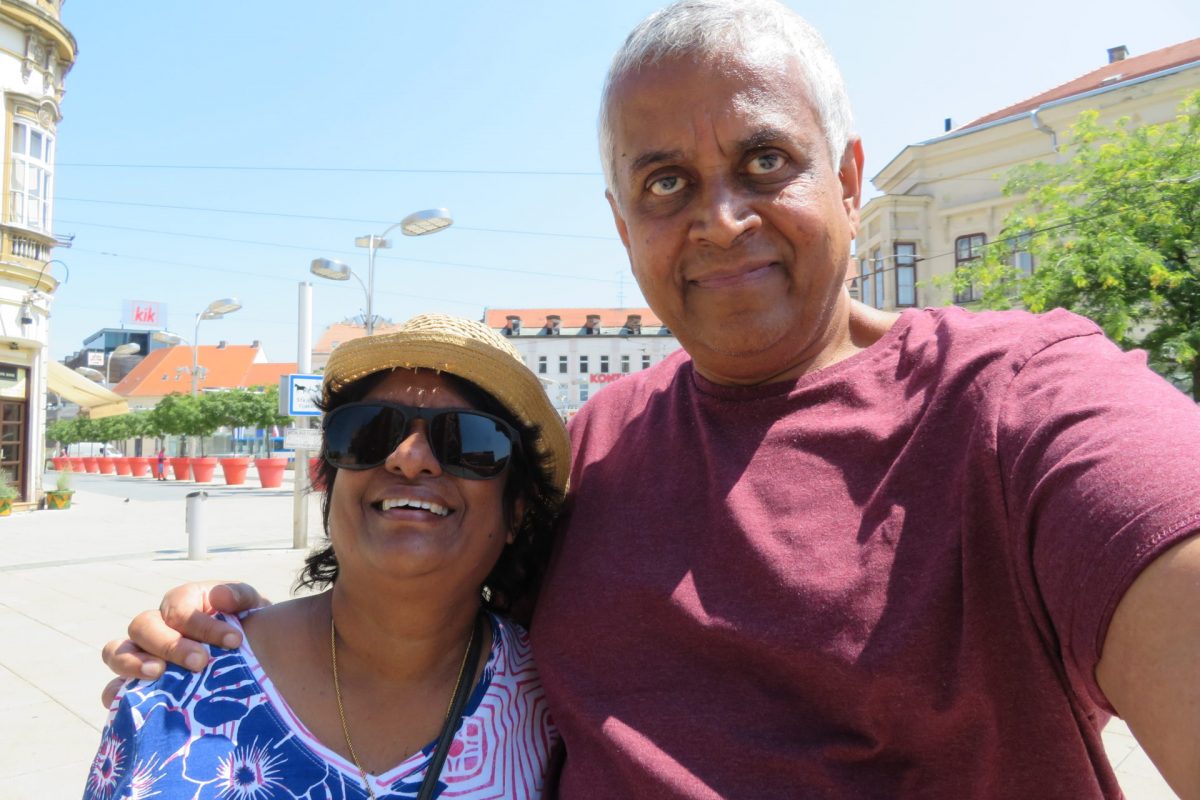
197	541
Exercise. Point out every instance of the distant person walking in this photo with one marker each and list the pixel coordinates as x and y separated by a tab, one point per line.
162	464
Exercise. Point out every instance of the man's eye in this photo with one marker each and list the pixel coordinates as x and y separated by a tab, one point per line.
666	185
764	164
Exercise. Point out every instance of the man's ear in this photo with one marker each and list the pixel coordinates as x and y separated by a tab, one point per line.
622	230
850	175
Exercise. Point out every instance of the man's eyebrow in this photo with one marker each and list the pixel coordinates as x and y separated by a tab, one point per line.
654	157
763	137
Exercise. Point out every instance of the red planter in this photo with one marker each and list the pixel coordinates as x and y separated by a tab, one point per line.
90	465
270	471
203	468
182	468
77	464
234	469
122	465
107	465
61	463
314	474
139	466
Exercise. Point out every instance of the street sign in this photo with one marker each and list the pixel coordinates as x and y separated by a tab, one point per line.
298	395
302	439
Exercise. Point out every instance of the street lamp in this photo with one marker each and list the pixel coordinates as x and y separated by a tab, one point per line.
419	223
215	310
91	374
127	349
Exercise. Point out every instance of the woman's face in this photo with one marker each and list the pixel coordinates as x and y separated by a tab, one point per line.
409	519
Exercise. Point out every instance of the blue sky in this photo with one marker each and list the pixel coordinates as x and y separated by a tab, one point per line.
208	149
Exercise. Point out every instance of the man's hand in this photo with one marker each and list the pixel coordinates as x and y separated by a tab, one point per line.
177	631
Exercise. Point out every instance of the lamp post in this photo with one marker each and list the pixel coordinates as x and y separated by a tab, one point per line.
91	374
418	223
127	349
215	310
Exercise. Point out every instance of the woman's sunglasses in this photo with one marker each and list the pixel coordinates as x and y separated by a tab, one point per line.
467	443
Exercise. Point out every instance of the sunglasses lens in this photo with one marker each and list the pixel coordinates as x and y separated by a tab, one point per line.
470	445
467	444
361	437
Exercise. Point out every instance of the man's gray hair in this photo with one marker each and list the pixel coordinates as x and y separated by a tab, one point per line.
714	28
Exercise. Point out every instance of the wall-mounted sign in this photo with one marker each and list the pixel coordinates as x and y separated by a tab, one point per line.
144	312
605	377
298	395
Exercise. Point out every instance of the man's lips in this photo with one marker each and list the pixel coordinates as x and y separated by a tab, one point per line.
723	279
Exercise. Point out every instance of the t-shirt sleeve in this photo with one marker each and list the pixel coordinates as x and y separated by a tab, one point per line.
1100	460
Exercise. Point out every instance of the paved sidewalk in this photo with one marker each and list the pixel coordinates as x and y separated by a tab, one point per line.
71	580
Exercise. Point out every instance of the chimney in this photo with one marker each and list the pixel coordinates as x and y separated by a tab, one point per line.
593	324
633	324
1118	53
949	123
553	321
514	325
222	344
256	344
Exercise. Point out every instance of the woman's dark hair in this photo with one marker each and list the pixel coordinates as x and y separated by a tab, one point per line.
512	584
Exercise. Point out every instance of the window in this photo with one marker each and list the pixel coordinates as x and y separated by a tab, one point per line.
583	394
906	273
645	361
624	363
562	365
604	363
866	281
541	365
1022	259
877	257
583	365
967	249
32	174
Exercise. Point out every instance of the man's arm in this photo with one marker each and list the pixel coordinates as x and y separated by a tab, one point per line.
1150	666
177	630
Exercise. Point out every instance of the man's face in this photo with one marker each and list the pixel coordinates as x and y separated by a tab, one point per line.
738	227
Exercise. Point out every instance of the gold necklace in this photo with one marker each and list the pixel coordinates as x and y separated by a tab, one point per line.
337	693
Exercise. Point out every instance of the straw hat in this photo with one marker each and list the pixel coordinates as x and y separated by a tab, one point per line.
469	350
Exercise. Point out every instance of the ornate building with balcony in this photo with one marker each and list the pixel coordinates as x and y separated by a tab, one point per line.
36	52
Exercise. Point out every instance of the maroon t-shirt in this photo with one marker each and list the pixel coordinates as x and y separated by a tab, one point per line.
888	579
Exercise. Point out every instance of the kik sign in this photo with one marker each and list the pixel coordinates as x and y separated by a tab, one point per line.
144	312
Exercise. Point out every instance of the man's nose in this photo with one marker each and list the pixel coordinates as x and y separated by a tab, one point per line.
723	215
413	456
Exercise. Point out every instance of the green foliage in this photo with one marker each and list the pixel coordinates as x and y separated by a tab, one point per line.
267	412
1115	234
63	482
7	490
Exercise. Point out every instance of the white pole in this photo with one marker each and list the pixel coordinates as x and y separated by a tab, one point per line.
300	474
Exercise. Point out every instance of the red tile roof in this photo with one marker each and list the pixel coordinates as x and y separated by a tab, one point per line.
169	370
571	317
1108	75
340	332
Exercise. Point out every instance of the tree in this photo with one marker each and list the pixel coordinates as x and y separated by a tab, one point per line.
177	414
1114	231
266	403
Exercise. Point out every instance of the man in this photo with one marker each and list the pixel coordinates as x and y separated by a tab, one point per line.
829	552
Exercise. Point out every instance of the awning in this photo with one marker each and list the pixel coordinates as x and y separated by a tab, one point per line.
70	385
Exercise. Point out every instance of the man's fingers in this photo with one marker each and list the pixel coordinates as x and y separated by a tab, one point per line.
129	661
150	632
110	691
234	598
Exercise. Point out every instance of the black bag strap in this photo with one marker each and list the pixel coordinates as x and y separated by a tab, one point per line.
454	718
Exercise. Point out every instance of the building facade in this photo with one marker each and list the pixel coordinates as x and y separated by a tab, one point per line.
577	352
36	52
942	200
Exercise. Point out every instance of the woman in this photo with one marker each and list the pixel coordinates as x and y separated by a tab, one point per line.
445	465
